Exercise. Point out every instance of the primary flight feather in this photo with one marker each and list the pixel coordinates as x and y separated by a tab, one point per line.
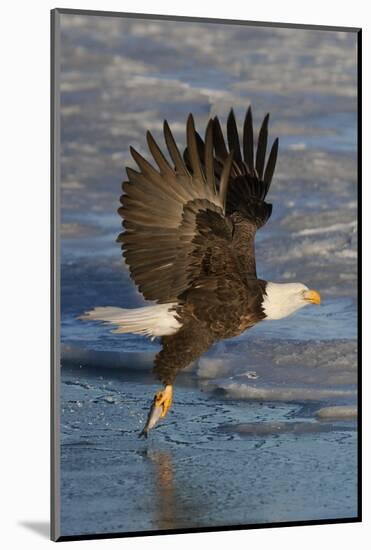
189	242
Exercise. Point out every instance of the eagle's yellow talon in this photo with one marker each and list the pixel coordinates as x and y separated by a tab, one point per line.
164	399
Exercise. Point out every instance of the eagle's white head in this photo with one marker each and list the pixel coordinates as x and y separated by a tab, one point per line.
283	299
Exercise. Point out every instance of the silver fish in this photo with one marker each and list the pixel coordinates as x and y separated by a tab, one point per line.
154	416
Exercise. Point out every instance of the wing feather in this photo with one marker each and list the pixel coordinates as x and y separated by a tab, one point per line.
248	141
262	147
221	150
174	151
158	155
209	156
271	164
194	158
233	139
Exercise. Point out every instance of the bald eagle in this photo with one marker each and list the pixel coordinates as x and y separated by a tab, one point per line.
188	240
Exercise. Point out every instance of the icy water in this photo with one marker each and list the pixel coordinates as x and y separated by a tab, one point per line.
263	427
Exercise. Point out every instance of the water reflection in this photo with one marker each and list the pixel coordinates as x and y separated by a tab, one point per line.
177	502
166	511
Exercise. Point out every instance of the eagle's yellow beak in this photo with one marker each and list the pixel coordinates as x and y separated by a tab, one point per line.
312	296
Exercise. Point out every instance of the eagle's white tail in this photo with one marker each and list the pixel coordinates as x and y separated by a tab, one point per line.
157	320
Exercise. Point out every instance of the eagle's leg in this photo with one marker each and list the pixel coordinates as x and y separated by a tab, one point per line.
178	351
164	399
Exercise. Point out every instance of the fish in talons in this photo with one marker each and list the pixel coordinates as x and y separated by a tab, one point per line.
160	406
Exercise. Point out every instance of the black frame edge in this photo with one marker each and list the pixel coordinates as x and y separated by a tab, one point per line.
306	523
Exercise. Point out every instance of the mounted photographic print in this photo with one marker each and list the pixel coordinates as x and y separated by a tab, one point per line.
205	191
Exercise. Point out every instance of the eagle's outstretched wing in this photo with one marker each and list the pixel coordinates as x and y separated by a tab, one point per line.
185	222
250	175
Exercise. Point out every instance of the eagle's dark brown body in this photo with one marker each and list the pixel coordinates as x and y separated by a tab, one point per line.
189	231
208	315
